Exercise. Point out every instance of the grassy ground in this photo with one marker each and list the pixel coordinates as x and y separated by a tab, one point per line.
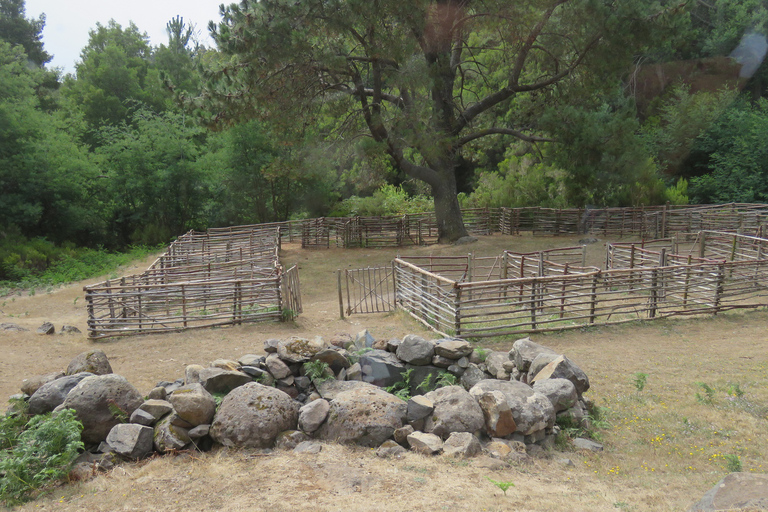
700	414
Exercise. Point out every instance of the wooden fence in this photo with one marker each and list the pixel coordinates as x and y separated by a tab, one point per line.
366	290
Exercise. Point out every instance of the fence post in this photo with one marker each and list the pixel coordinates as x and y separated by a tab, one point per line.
457	308
583	255
533	304
541	263
183	306
653	298
719	286
503	271
687	281
394	287
702	240
593	298
341	296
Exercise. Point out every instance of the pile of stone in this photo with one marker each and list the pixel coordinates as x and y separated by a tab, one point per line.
507	400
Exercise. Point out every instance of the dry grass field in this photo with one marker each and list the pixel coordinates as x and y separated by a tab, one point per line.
702	412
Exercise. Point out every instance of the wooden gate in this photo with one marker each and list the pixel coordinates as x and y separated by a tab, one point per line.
366	290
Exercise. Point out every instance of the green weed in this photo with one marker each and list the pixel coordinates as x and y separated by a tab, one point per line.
318	371
639	381
504	486
708	397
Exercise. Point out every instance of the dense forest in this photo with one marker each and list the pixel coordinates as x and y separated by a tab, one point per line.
343	107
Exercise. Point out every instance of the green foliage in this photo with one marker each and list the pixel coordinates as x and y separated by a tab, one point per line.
639	381
482	353
41	454
318	371
17	29
504	486
708	396
732	462
735	390
117	412
387	200
218	398
570	429
402	388
12	423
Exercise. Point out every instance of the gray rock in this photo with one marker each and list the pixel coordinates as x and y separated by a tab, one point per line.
270	346
419	407
52	394
158	393
424	443
199	431
9	327
366	416
95	400
401	434
225	364
441	362
168	437
46	329
532	411
495	364
335	359
191	374
737	491
32	384
540	362
329	389
313	414
156	408
277	367
462	444
561	392
92	361
423	379
363	339
255	372
524	351
585	444
341	340
308	447
381	368
390	448
499	421
69	329
564	368
252	416
219	380
355	372
303	383
299	350
453	348
393	343
463	363
194	404
131	440
455	370
142	418
455	411
250	360
290	439
472	375
416	350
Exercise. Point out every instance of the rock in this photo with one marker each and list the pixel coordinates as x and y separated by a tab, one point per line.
169	437
256	373
472	375
158	393
419	407
380	345
737	491
363	340
564	461
53	393
498	449
250	360
561	392
532	411
192	373
194	404
142	418
313	414
287	382
402	433
218	380
199	431
524	351
585	444
291	391
69	329
425	444
490	463
499	421
9	327
393	343
252	416
495	363
93	361
577	416
277	367
462	444
131	440
308	447
455	370
225	364
290	439
455	411
46	329
423	379
303	384
540	362
381	368
97	400
335	360
441	362
32	384
329	389
564	368
341	340
453	348
270	346
416	350
355	372
366	416
299	350
156	408
390	448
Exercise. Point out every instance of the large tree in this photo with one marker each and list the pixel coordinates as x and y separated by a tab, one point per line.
424	79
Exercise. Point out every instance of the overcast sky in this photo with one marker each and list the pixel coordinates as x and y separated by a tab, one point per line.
67	22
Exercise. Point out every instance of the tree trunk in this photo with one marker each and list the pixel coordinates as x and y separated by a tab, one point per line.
450	225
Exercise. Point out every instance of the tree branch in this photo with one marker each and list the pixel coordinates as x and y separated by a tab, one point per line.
501	131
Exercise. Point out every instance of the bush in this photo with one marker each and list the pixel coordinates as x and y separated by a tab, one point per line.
387	200
43	453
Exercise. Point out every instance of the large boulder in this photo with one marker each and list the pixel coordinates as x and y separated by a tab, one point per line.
299	350
564	368
737	491
416	350
330	389
53	393
539	362
253	415
462	444
561	392
194	404
425	444
335	359
472	375
495	364
524	351
32	384
130	440
531	411
455	411
168	437
313	414
218	380
453	348
277	366
92	361
100	401
499	421
366	416
381	368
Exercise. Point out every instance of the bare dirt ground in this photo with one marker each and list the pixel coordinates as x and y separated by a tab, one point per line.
666	445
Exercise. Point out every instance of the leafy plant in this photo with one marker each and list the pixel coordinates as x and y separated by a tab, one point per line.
402	389
735	390
639	381
318	371
42	453
732	462
12	423
504	486
117	412
709	394
482	353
